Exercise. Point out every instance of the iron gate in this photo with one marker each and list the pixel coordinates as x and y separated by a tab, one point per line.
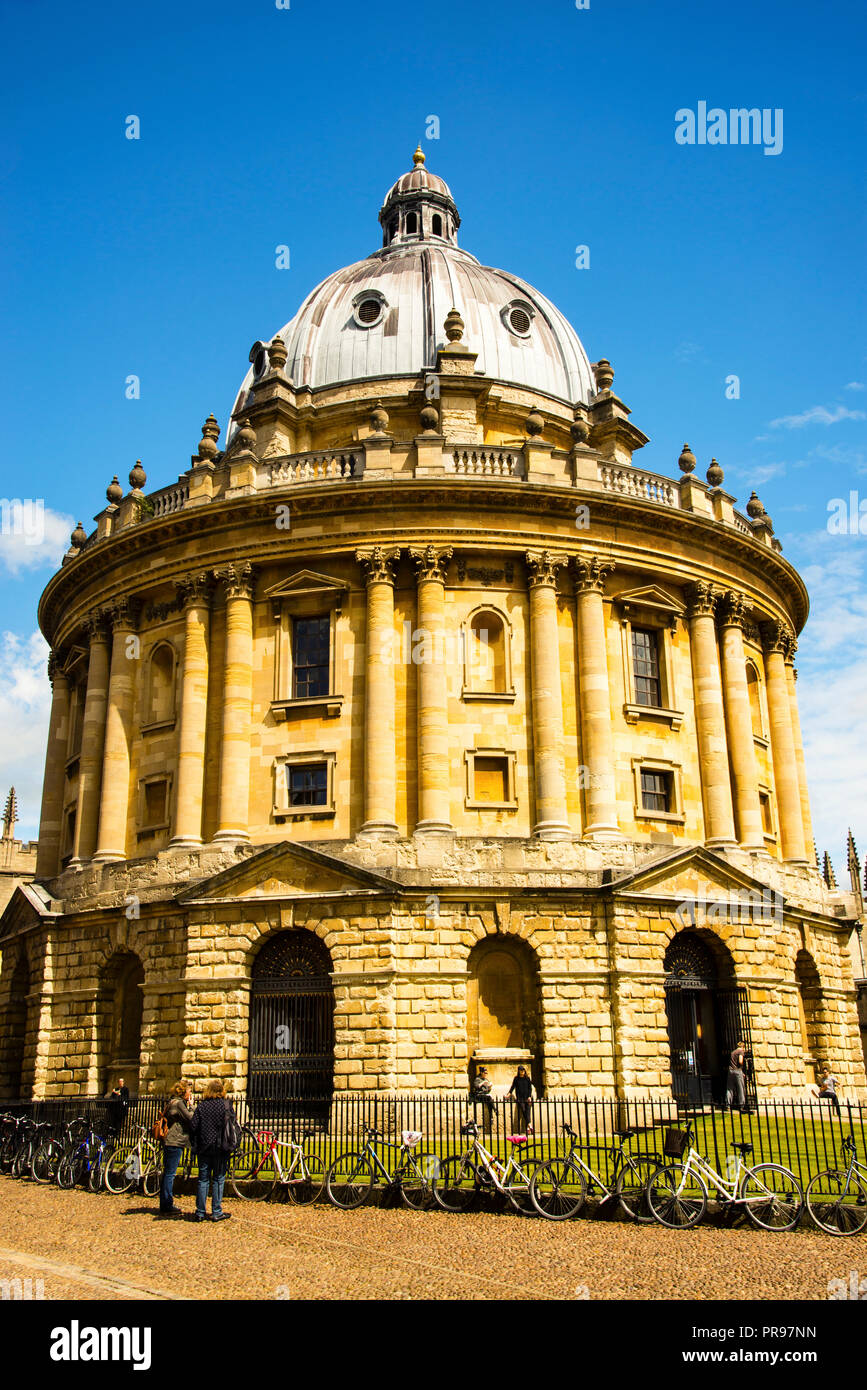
291	1023
733	1013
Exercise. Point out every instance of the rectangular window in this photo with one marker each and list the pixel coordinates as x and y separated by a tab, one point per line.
656	791
311	641
491	779
767	813
645	666
308	784
155	803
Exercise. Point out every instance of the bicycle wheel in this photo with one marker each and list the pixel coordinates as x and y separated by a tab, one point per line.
773	1197
151	1178
837	1203
349	1181
455	1186
252	1173
70	1170
309	1188
558	1189
675	1198
518	1193
96	1172
414	1186
123	1169
46	1161
631	1188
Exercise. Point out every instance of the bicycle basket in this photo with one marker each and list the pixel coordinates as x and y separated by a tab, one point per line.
676	1141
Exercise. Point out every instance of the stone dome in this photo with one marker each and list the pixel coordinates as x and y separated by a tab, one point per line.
383	316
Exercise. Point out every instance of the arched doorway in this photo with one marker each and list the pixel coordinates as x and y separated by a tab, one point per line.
809	1012
503	1011
14	1031
707	1016
291	1021
119	1018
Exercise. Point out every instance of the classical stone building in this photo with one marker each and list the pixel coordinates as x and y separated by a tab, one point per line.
419	727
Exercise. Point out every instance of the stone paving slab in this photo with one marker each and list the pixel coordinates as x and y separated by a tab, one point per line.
286	1252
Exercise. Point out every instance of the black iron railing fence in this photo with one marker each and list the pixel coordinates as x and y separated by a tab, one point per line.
806	1136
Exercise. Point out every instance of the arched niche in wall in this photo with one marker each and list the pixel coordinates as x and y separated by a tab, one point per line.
504	1010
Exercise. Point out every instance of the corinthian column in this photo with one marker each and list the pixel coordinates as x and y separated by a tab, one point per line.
791	678
434	771
195	592
92	741
552	821
710	717
234	796
379	745
114	796
776	640
51	817
739	724
594	699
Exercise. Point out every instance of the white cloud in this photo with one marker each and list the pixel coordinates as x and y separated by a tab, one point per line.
855	386
25	702
817	415
688	352
32	536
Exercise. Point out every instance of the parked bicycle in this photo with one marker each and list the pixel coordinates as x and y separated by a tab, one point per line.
130	1164
677	1193
52	1150
351	1177
462	1178
85	1163
837	1198
257	1169
559	1187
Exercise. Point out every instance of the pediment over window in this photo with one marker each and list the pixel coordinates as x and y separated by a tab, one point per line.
308	589
651	599
289	870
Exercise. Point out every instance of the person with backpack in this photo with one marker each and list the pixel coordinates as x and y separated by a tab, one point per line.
177	1126
215	1134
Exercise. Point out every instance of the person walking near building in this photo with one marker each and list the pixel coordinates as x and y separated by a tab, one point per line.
522	1089
736	1089
179	1119
827	1089
207	1135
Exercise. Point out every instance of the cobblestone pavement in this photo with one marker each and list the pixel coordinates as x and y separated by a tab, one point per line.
104	1247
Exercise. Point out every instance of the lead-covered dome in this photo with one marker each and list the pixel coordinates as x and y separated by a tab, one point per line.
382	317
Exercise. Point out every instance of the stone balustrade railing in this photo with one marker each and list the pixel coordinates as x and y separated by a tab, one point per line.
634	482
169	499
485	463
330	465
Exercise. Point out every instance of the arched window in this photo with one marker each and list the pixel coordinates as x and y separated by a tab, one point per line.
411	223
161	686
754	691
487	667
436	225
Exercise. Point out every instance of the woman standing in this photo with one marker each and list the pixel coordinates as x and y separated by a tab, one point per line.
213	1161
522	1089
179	1119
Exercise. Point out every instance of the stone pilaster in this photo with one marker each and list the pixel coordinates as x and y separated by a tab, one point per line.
434	770
594	698
51	816
195	591
552	821
777	638
791	679
719	824
234	793
739	724
380	754
114	794
92	741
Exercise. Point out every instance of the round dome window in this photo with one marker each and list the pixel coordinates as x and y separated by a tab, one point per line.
368	309
518	318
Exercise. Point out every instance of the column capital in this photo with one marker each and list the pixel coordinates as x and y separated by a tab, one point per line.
777	636
431	562
97	625
239	579
196	590
543	566
55	667
378	564
701	599
589	573
124	613
732	609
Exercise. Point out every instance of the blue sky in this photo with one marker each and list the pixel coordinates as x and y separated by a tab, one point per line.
263	126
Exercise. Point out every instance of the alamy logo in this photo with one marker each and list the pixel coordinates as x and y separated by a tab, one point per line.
22	1290
77	1343
711	904
841	1289
739	126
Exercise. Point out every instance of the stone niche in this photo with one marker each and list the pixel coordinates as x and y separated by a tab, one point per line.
503	1012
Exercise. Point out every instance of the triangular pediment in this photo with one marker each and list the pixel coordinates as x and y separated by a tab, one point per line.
650	596
691	872
307	584
29	905
289	871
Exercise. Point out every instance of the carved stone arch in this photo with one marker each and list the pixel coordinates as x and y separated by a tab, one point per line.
504	1008
707	1015
291	1050
118	1018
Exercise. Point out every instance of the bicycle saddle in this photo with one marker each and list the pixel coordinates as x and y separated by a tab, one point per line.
517	1138
470	1128
624	1133
743	1148
410	1137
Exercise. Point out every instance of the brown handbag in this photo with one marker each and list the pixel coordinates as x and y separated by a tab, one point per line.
161	1128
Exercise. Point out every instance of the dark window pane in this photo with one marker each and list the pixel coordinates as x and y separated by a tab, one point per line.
656	791
308	786
311	639
645	666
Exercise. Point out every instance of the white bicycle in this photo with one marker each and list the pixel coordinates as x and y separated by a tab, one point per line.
677	1193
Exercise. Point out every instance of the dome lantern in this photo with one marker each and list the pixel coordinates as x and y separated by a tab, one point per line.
419	207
